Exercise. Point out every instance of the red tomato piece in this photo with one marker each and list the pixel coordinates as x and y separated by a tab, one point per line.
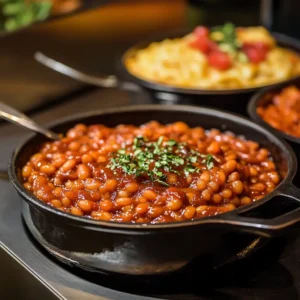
263	46
202	44
257	51
255	55
258	45
219	60
201	31
213	46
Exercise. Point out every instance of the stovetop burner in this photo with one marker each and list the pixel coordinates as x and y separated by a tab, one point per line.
234	280
272	272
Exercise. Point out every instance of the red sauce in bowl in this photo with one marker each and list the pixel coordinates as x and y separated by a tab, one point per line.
283	112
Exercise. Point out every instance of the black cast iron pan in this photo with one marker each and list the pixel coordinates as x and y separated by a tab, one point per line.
155	249
167	93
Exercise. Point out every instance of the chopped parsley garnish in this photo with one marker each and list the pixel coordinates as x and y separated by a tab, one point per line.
209	161
152	159
225	36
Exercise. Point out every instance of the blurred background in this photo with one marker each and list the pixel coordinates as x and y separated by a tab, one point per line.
88	35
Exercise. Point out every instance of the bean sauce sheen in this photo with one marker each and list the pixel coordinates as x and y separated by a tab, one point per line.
283	112
193	173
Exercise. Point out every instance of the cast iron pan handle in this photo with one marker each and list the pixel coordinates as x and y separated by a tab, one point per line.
271	226
104	81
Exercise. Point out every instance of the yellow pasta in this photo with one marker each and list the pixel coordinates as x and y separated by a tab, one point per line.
174	62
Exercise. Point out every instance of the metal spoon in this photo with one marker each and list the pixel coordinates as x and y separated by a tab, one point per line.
110	81
14	116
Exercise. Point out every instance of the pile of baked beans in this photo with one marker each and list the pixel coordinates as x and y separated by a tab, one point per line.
72	175
283	112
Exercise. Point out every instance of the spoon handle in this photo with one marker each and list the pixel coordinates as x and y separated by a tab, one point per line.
12	115
106	82
110	81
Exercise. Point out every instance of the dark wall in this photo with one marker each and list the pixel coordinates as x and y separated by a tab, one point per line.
286	13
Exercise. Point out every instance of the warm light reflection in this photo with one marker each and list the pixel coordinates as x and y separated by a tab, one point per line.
111	21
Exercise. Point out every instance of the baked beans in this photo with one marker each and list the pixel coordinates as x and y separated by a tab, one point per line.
152	173
283	113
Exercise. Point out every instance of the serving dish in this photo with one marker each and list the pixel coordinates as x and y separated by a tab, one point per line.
125	80
218	58
264	97
139	249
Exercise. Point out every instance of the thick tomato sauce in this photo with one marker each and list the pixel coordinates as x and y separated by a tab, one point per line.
283	112
75	174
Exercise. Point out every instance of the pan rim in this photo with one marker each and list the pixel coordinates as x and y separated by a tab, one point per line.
219	219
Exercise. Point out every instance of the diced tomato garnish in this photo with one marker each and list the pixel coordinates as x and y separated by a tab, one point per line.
262	46
213	46
201	31
202	44
257	51
219	60
255	55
